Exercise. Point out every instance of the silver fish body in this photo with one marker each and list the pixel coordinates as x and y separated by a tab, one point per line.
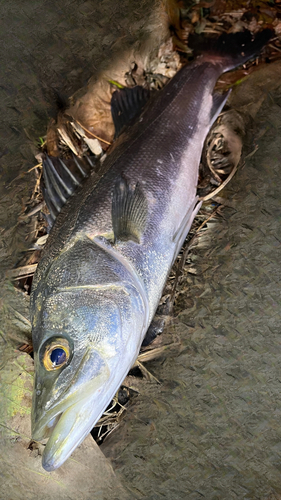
99	292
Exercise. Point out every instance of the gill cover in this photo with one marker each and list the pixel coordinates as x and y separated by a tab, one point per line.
87	329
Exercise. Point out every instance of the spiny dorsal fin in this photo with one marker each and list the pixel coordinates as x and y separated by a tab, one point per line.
61	178
129	211
127	104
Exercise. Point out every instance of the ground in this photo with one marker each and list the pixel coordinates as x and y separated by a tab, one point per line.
211	429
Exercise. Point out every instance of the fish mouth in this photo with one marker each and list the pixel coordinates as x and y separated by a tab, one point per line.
65	431
68	422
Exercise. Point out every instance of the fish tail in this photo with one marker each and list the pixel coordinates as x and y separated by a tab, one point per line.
230	49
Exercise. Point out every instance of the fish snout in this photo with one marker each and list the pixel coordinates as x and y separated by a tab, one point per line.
53	400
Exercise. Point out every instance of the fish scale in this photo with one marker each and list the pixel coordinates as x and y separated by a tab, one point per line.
111	248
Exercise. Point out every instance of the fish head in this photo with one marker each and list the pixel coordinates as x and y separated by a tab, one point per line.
82	352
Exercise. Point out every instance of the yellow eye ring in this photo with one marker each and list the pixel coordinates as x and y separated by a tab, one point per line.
56	355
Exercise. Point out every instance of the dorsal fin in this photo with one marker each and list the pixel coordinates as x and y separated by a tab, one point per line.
61	178
127	104
129	211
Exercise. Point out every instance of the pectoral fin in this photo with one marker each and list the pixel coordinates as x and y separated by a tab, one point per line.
129	211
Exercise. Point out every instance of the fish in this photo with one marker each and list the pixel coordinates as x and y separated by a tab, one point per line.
113	242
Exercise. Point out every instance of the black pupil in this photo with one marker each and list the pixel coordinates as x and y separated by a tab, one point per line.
58	356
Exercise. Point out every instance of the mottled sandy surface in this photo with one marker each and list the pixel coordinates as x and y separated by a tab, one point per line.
212	428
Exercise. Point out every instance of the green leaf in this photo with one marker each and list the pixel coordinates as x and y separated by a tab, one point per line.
117	84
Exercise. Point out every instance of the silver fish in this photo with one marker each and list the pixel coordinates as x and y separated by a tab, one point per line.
112	246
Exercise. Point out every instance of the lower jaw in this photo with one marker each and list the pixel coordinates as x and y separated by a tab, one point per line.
46	432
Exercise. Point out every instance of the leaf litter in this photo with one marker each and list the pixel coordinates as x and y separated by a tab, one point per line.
86	127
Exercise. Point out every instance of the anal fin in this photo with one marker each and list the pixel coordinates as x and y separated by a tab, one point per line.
219	101
129	211
155	328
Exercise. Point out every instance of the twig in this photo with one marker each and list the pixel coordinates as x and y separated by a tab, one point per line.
34	210
184	256
224	183
146	373
91	133
39	165
21	272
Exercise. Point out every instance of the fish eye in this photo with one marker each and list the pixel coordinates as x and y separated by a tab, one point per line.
56	354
